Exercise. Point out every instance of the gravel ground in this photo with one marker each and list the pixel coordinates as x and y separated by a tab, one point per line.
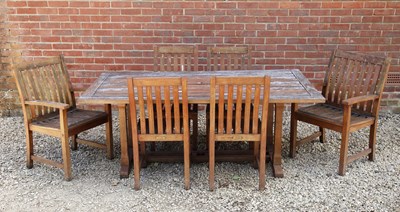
311	182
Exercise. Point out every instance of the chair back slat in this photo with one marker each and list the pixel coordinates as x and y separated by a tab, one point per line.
351	75
44	80
175	58
229	58
234	116
159	104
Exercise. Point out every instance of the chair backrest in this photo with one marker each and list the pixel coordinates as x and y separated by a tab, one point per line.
228	58
175	58
162	106
354	74
242	98
44	80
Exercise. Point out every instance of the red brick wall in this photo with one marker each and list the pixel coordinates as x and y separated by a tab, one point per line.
97	36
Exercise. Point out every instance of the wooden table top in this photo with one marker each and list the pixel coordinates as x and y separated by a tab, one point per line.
287	86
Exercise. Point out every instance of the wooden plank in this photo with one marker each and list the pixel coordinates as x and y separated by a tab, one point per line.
286	86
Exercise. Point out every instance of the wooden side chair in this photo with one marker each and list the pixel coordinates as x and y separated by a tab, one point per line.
229	58
240	123
353	88
162	107
180	58
49	108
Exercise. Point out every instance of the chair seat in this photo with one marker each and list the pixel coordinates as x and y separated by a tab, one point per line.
78	120
332	115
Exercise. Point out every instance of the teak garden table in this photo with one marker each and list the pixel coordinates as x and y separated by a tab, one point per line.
287	86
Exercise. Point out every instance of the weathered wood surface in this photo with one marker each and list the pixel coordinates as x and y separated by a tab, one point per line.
352	87
287	86
48	104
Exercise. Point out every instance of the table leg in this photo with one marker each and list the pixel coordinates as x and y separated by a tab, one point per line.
124	163
277	153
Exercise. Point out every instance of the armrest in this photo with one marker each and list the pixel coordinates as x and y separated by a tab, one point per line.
358	99
57	105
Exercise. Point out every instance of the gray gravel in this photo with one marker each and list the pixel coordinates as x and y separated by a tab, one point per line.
311	181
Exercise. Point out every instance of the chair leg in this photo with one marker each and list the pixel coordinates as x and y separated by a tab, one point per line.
293	131
344	152
109	134
372	141
66	158
186	155
211	164
195	131
261	168
256	153
136	165
142	147
322	137
29	149
74	142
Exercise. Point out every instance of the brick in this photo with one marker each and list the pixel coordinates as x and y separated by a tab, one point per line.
245	19
172	11
26	11
79	4
358	4
131	11
362	12
39	18
102	33
202	19
266	19
89	11
332	5
226	5
182	19
246	5
71	39
373	19
47	11
111	39
157	19
224	19
58	18
121	18
61	32
16	4
393	4
287	5
288	19
320	12
278	12
172	40
192	40
100	4
110	11
384	12
217	26
68	11
299	12
269	5
37	3
296	41
341	12
391	19
287	33
255	26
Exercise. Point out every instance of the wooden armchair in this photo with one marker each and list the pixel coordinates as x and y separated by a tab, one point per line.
180	58
162	106
240	122
48	104
229	58
353	88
